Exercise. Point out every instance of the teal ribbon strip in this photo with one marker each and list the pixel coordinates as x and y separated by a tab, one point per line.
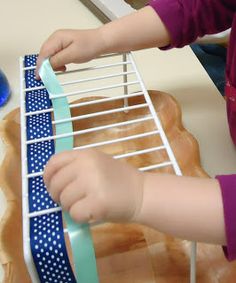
79	234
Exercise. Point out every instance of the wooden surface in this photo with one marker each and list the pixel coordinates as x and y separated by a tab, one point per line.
125	252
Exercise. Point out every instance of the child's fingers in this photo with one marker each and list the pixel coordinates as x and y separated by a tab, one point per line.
63	57
51	46
71	194
59	181
56	162
81	211
47	50
39	63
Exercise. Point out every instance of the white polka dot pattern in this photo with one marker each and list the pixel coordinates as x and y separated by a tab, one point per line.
31	81
39	126
48	248
46	231
39	199
30	60
37	100
41	150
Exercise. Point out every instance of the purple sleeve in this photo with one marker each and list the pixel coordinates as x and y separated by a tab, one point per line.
188	19
228	191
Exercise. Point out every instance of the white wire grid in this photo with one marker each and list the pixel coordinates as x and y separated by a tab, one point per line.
124	84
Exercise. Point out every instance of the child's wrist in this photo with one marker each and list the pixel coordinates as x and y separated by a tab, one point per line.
104	42
112	37
138	213
143	213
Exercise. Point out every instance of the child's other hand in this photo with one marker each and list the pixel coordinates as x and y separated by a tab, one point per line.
93	186
70	46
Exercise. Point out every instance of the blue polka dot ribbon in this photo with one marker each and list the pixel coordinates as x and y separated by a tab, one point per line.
46	231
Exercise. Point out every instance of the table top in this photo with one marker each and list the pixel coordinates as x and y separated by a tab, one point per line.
26	24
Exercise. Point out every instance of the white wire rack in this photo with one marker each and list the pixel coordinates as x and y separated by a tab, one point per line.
114	74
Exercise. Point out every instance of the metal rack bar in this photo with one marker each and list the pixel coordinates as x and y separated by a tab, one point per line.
139	152
92	102
156	166
25	205
99	128
101	113
97	67
84	80
107	142
96	89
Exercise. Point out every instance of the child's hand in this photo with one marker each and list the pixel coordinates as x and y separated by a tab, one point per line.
93	186
70	46
138	30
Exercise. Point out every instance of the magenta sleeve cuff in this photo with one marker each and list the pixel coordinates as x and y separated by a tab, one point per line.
228	190
170	16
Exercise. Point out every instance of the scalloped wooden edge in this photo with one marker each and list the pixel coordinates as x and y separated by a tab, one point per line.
13	210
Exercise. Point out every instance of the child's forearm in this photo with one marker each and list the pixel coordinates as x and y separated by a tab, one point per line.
138	30
142	29
185	207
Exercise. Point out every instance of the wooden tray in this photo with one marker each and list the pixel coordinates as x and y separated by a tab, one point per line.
125	252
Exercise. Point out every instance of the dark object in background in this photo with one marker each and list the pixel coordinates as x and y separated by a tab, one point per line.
106	13
137	4
96	11
213	59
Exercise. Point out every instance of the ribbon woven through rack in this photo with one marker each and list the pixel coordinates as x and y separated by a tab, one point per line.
46	231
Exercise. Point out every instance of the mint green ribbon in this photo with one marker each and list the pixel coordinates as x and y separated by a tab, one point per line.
79	234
